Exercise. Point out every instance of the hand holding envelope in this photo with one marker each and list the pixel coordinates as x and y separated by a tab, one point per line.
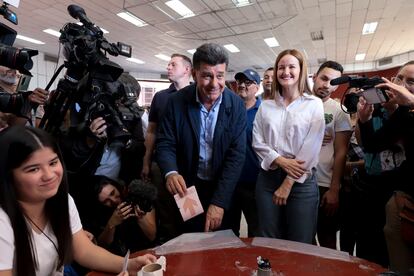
189	205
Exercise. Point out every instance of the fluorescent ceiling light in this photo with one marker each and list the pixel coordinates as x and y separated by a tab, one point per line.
180	8
28	39
369	28
135	60
241	3
271	42
232	48
14	3
163	57
192	51
52	32
132	19
359	57
104	31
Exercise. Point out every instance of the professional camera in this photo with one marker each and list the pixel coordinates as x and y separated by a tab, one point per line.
117	104
90	80
371	94
141	194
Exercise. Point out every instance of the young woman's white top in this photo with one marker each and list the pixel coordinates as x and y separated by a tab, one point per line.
293	131
46	254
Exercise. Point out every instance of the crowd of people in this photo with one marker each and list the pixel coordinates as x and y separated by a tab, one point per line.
290	159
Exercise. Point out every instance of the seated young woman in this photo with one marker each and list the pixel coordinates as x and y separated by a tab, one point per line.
40	229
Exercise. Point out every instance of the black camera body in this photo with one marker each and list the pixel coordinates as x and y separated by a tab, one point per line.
370	93
109	102
141	194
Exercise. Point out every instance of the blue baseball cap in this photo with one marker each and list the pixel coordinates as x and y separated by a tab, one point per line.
249	74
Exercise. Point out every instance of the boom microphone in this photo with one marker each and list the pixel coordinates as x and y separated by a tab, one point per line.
340	80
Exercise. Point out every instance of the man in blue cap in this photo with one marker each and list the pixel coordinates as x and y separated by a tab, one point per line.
248	83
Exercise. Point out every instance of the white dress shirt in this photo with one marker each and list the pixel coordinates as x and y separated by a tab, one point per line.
294	131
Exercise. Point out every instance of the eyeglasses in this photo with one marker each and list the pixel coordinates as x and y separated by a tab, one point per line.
402	82
246	82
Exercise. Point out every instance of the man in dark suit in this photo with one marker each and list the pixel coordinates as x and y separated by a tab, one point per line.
202	139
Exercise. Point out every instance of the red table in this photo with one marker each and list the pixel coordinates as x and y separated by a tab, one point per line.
223	262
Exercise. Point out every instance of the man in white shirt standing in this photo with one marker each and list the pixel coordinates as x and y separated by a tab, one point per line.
332	156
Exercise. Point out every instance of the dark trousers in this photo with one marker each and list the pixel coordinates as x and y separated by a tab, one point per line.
244	200
374	194
327	225
348	211
205	191
168	216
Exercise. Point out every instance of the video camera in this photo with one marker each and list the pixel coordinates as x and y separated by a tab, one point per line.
371	94
89	74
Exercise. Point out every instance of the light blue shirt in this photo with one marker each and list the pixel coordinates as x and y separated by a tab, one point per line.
208	120
110	164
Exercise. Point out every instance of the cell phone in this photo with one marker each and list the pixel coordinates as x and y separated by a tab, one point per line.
374	95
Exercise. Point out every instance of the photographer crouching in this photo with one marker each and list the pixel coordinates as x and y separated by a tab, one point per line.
16	107
124	218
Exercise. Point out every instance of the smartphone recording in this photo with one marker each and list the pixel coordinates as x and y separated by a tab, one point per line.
374	96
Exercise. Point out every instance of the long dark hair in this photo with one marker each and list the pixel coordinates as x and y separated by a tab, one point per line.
100	181
17	144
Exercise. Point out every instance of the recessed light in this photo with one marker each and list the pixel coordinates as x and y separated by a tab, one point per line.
52	32
241	3
369	28
29	39
163	57
135	60
232	48
360	57
180	8
271	42
192	51
132	19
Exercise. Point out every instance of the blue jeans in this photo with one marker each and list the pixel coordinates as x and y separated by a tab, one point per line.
295	221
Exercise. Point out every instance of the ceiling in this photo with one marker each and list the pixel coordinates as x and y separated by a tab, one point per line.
220	21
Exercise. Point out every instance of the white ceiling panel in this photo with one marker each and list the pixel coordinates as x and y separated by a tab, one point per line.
360	4
328	8
309	3
344	9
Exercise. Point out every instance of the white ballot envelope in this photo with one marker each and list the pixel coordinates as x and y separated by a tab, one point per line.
189	205
125	265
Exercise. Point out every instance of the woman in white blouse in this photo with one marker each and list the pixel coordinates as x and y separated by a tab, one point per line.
40	229
287	136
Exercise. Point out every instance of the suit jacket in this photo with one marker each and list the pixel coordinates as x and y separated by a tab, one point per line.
178	141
